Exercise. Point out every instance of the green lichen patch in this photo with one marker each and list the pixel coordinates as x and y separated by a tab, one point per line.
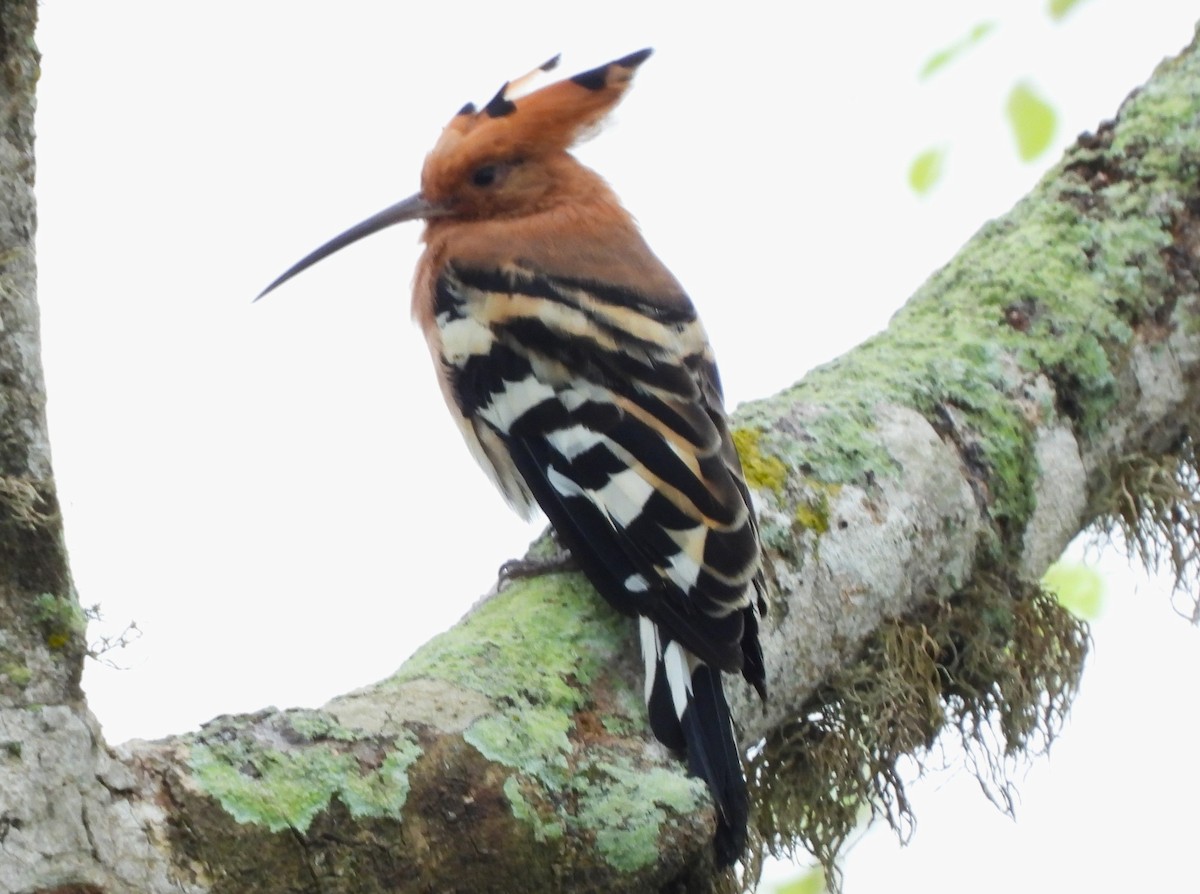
762	471
270	788
543	829
1169	97
61	619
812	509
949	355
384	791
313	725
620	725
620	805
503	650
268	772
990	659
836	443
15	673
626	808
533	740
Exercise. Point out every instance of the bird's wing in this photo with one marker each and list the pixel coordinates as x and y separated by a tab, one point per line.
609	409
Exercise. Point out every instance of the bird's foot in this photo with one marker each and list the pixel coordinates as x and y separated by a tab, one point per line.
548	556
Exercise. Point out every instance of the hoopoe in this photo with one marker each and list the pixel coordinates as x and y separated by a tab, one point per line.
583	383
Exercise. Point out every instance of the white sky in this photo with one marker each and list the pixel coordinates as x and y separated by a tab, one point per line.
274	492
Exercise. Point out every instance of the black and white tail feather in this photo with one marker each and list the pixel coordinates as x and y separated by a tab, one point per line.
688	713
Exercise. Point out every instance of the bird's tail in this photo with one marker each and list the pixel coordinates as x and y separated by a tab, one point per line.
688	713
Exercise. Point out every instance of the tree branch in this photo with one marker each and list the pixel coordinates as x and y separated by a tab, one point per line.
911	495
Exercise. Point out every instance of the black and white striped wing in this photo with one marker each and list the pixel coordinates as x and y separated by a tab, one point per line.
606	408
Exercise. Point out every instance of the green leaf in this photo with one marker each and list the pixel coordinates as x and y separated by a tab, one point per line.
979	31
811	882
938	60
946	55
1078	588
1032	119
926	170
1060	9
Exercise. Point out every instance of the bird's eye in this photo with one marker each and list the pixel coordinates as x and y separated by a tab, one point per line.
484	176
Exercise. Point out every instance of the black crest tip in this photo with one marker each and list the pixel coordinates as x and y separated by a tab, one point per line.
633	60
592	79
597	78
499	105
551	63
468	109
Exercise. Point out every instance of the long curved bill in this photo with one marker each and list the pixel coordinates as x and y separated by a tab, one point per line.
413	208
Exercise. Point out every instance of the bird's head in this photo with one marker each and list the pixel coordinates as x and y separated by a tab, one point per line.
506	159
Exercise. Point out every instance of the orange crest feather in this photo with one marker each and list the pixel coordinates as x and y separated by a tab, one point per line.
510	127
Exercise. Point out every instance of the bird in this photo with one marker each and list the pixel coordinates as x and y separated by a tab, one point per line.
583	382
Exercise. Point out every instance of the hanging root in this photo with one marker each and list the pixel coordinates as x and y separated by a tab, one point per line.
999	663
1153	513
